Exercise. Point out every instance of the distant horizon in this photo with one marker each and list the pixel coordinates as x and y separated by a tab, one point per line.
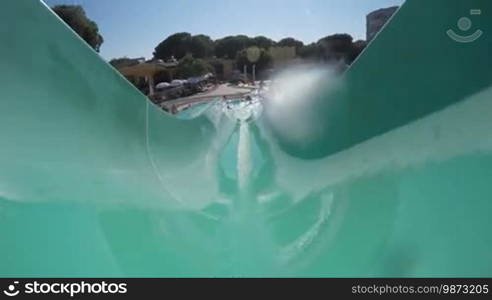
134	31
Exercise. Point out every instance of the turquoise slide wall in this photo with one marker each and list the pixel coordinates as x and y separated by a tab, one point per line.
386	171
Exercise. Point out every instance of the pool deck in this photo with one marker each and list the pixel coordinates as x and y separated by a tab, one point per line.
220	91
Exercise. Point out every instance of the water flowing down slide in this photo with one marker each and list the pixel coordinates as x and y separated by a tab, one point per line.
384	171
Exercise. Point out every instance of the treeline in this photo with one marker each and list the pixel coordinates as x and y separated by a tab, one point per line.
178	45
75	17
199	54
204	53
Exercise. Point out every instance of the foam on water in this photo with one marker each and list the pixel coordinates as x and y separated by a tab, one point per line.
244	166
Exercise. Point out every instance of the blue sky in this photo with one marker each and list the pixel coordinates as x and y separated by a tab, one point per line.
133	28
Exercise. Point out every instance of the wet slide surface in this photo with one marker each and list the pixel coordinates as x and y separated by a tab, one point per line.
383	172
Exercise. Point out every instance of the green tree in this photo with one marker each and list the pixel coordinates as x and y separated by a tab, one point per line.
75	17
122	62
163	75
191	67
125	62
261	42
332	48
201	46
357	48
310	51
290	42
218	67
228	46
340	42
177	45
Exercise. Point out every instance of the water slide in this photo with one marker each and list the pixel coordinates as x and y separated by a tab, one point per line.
384	171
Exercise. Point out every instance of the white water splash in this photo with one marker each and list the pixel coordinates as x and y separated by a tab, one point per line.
244	166
290	99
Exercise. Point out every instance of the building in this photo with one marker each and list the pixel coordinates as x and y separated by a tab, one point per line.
146	70
376	20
